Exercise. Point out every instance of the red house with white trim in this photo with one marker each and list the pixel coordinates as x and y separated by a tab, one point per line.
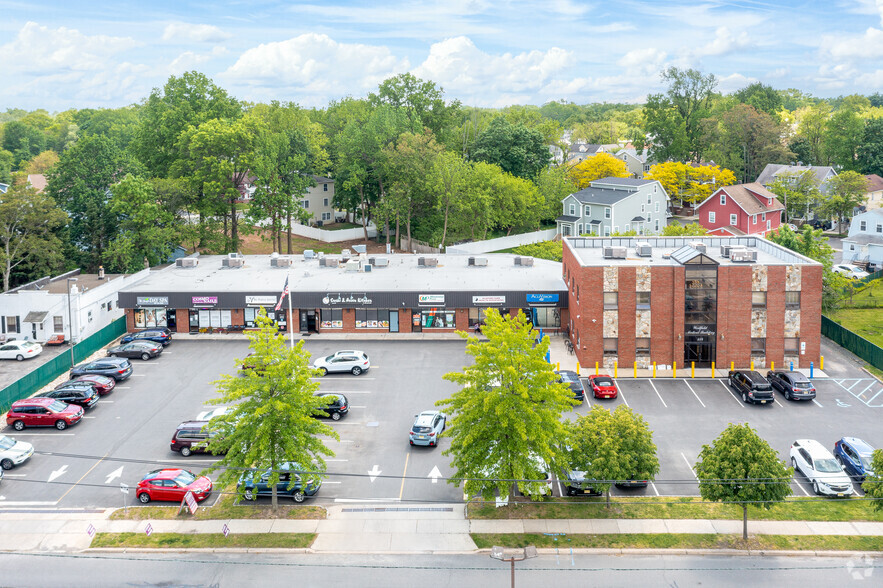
742	209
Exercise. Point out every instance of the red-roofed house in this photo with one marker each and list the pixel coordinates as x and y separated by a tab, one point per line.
37	182
743	209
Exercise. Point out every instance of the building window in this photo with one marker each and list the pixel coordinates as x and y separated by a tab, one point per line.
611	300
724	198
606	231
588	211
628	227
642	300
577	293
657	225
331	318
792	345
862	226
758	346
572	210
758	299
733	219
610	346
607	212
546	317
792	300
11	324
879	228
305	204
374	318
656	208
579	229
58	324
711	217
642	346
325	188
437	319
146	318
649	198
616	229
754	219
325	200
768	225
326	216
763	216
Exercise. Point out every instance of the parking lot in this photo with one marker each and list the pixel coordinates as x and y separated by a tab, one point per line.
128	432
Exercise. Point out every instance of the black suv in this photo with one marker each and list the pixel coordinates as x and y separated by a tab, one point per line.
79	395
576	385
117	368
575	483
337	406
188	435
161	335
752	386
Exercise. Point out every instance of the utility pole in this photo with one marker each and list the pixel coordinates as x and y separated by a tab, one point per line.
70	322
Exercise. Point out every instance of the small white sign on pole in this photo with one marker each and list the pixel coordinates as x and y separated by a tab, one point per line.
225	529
148	529
191	502
90	530
124	488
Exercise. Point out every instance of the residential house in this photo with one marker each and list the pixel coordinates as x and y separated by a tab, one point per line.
37	182
775	171
864	244
874	197
615	205
3	188
742	209
581	151
318	201
637	163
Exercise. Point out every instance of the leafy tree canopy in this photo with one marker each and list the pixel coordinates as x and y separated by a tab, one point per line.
517	149
602	165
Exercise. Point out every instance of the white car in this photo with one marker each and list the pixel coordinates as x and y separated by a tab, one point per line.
13	453
20	350
355	362
850	271
217	411
818	465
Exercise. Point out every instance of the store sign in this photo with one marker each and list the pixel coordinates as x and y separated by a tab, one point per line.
260	300
203	300
700	329
542	298
346	299
152	300
488	300
431	299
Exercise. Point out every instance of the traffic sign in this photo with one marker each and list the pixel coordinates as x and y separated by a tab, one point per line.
124	488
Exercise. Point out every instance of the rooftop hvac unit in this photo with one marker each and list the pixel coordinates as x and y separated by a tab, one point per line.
427	261
743	255
614	253
309	254
329	262
232	261
345	253
280	262
524	261
366	267
643	249
360	248
478	261
725	250
698	246
379	261
353	265
234	256
186	262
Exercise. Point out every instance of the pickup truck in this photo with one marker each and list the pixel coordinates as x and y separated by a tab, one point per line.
752	386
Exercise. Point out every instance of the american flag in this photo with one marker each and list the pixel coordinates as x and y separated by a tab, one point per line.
284	294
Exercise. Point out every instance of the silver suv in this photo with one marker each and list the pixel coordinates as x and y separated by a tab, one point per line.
820	468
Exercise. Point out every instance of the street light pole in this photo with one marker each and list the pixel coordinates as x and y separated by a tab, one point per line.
500	553
70	321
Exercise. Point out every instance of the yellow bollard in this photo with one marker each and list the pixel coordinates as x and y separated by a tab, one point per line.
732	364
654	369
674	369
772	366
752	365
558	366
712	370
616	369
636	370
692	369
596	368
821	362
577	368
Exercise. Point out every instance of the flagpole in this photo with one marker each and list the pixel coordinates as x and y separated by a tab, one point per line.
290	313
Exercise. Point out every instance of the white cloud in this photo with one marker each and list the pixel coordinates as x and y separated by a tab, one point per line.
733	82
724	42
189	60
465	71
569	8
842	47
185	32
41	50
779	72
316	63
645	61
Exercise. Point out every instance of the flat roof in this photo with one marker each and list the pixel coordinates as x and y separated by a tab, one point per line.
403	273
590	250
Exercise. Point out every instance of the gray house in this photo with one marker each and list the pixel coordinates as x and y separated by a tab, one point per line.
637	163
615	205
775	171
865	241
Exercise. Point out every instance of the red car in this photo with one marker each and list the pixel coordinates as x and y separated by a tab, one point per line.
103	385
602	386
171	484
43	412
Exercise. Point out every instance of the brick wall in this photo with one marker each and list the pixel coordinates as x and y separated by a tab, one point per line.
626	345
734	307
811	314
775	315
130	319
664	308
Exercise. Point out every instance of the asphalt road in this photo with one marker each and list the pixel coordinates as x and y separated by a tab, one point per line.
442	571
128	432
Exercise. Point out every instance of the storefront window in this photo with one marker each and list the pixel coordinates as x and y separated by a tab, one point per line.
251	314
146	318
332	318
476	317
215	319
438	319
372	318
546	317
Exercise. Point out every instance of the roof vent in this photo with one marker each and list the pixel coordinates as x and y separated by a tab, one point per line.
233	260
725	250
309	254
478	261
360	248
366	267
329	262
345	254
186	262
427	261
698	246
743	255
614	252
643	249
524	261
379	261
280	262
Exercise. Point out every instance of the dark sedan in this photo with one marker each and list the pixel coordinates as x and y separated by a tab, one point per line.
81	396
291	483
794	385
157	335
143	349
117	368
337	406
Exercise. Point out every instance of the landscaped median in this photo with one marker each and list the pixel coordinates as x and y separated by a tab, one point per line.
204	540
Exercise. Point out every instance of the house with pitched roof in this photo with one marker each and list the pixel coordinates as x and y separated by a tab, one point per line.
874	196
864	245
615	205
37	182
637	163
742	209
774	172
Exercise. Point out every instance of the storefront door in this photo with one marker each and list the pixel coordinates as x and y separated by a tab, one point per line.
416	326
393	321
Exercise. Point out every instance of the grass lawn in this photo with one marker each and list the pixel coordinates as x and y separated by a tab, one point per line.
647	507
204	540
341	226
685	541
869	296
867	322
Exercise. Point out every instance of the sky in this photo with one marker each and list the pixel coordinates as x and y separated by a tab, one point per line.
65	54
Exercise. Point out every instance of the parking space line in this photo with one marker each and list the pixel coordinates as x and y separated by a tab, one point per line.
327	482
694	393
730	393
405	473
349	391
335	459
351	406
621	395
652	485
816	403
776	400
15	475
799	485
88	417
18	434
689	466
122	388
871	399
658	394
137	375
862	393
853	384
105	402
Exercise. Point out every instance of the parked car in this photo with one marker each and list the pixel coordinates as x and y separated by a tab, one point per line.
299	490
143	349
574	382
820	224
191	437
540	483
575	483
20	350
337	406
352	361
160	335
171	484
794	385
602	386
751	385
85	396
819	467
13	453
427	427
854	455
850	271
217	411
117	368
43	412
102	384
632	483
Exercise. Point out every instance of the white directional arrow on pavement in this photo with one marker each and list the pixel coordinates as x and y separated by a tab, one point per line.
435	475
374	472
114	475
60	471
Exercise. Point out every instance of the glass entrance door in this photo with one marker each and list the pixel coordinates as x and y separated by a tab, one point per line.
393	321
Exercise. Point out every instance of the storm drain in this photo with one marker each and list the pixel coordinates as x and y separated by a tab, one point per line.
399	509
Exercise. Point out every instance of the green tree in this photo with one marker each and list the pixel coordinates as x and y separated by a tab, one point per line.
847	191
29	222
517	149
551	250
612	446
870	152
42	163
507	415
6	163
119	124
272	418
812	127
749	140
23	141
843	136
762	97
554	184
674	119
873	485
422	101
602	165
742	468
798	192
448	181
688	230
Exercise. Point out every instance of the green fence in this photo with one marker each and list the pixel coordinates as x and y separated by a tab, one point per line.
36	379
853	342
872	277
